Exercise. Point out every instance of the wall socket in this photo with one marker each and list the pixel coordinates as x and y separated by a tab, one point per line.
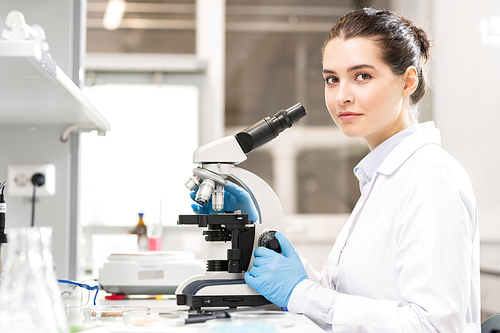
19	180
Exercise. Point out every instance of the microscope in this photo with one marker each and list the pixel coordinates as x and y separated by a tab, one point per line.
223	284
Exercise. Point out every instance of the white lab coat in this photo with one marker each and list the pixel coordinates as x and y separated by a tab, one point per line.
407	259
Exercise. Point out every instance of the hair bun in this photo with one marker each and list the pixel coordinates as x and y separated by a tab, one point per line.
422	38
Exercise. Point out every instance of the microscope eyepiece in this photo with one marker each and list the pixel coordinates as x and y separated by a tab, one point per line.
268	128
291	115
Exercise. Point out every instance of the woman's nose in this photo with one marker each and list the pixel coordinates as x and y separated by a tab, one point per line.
344	95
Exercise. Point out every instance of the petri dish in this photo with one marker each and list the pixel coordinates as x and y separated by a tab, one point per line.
281	318
110	312
153	318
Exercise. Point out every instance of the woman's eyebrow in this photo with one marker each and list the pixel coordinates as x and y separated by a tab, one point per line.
350	69
356	67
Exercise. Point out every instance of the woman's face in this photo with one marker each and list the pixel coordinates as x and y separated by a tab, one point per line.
364	97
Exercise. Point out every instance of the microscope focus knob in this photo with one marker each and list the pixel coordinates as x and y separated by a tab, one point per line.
268	240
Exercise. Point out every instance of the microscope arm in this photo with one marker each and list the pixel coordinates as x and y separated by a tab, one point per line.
268	205
220	157
267	202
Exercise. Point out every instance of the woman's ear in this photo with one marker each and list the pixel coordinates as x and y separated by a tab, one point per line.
410	81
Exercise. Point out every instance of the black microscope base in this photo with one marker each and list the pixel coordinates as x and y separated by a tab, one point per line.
231	301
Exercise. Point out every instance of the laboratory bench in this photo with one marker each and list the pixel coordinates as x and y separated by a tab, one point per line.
298	323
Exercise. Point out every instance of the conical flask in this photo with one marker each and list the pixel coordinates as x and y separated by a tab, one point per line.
30	300
51	279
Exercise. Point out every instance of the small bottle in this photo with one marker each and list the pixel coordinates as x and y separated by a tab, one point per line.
155	232
142	233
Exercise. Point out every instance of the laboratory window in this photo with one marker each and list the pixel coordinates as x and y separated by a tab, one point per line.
146	156
326	182
273	61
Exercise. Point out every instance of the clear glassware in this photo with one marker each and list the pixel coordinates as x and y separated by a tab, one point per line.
30	299
76	294
51	279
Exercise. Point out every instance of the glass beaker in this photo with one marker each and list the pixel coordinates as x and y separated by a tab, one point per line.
30	299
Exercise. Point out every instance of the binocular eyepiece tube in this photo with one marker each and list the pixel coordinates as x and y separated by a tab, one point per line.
211	184
269	128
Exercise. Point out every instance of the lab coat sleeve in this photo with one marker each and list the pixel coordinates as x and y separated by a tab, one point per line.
313	300
436	223
353	313
435	234
312	274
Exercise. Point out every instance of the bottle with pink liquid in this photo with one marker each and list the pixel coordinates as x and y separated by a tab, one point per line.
155	232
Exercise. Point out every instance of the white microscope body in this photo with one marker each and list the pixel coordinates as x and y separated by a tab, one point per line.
217	161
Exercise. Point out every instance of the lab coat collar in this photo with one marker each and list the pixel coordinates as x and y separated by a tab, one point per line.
426	133
393	152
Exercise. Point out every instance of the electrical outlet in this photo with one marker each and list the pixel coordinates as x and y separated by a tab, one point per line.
19	180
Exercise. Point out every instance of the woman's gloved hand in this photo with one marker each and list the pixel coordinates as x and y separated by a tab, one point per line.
235	198
273	275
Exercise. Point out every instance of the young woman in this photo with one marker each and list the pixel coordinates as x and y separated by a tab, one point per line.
407	259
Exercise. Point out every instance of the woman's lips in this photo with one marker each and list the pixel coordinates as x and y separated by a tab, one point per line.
347	116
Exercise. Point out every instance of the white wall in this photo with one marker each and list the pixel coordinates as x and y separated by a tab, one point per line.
23	145
466	98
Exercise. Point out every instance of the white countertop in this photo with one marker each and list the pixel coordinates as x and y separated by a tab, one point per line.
301	323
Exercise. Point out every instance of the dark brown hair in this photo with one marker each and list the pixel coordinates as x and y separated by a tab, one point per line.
402	42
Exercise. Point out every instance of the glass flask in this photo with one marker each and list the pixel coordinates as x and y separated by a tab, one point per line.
30	299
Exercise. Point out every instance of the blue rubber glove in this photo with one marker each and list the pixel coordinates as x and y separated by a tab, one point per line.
235	198
273	275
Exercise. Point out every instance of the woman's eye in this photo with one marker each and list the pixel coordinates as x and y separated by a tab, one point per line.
363	77
331	80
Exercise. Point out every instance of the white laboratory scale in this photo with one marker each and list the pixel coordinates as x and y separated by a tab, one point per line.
148	273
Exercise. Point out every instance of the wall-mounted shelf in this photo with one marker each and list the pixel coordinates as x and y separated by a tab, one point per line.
145	62
35	91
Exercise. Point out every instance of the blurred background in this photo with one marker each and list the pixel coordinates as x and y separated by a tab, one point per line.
171	75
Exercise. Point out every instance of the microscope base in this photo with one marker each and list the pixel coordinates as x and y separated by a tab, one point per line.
220	301
231	293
